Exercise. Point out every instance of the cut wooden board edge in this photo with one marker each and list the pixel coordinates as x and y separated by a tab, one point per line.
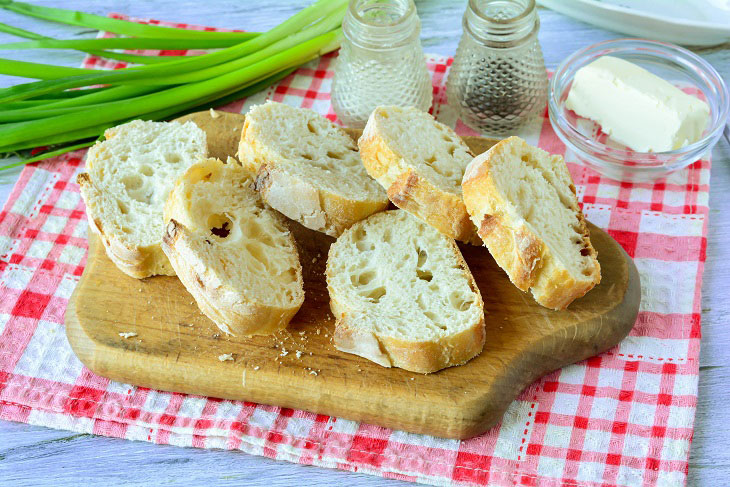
467	416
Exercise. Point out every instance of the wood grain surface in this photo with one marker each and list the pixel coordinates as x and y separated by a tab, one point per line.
177	348
35	455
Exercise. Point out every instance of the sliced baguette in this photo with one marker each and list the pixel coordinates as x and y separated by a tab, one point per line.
128	177
308	168
523	201
403	296
420	162
231	252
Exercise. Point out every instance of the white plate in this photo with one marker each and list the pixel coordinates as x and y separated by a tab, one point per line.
687	22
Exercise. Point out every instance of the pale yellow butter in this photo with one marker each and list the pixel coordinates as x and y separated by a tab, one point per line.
635	107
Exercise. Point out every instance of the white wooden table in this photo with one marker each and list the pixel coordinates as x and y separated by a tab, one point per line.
38	456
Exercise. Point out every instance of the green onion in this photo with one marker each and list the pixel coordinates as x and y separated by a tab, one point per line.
129	58
53	112
164	114
40	71
283	30
19	132
121	43
117	26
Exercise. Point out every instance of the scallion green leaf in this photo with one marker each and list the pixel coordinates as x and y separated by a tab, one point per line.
117	26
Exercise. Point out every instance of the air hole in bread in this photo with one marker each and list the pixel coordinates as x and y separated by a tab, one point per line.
312	129
132	182
585	252
334	155
426	275
452	149
422	258
126	230
457	302
257	252
308	157
253	231
123	208
376	294
430	159
365	278
146	170
220	225
173	158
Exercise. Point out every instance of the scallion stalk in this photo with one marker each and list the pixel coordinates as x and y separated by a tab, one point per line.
119	56
18	132
53	112
117	26
318	10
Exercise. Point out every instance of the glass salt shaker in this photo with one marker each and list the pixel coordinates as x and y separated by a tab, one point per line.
498	81
381	61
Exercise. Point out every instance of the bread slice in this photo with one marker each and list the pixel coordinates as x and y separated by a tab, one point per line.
523	201
308	168
420	162
232	253
403	296
128	177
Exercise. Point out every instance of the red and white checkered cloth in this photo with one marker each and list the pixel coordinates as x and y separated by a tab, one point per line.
622	418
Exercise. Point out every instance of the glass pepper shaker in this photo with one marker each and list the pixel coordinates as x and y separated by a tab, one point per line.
380	62
498	81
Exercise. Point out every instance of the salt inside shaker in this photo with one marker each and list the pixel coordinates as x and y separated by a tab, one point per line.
380	62
498	81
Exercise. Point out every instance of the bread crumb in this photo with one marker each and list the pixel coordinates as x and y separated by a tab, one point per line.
216	335
256	367
413	378
140	289
225	356
301	333
314	259
213	114
299	354
313	372
284	352
128	334
317	331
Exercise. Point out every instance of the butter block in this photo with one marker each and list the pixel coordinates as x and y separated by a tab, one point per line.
635	107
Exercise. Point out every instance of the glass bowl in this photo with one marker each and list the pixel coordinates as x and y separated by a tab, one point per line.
676	65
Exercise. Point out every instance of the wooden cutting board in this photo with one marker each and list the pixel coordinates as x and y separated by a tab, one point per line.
176	348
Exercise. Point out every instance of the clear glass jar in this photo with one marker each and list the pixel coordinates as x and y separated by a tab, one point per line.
381	61
498	81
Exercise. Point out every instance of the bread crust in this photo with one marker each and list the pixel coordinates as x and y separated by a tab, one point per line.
135	261
515	247
425	356
297	198
443	210
226	306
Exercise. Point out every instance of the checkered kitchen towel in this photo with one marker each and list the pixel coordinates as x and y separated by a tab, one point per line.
622	418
